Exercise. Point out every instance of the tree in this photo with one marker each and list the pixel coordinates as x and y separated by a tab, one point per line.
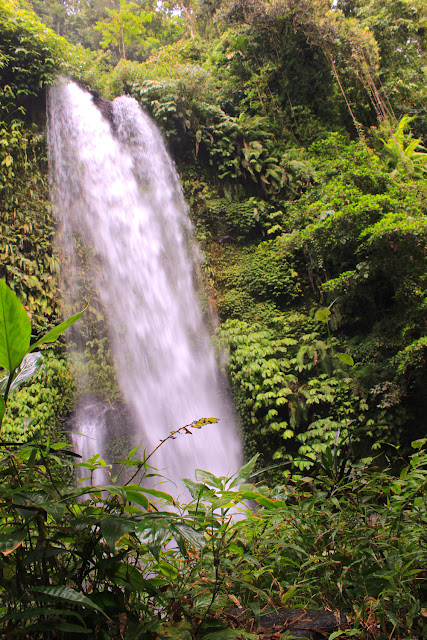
400	29
53	13
186	9
124	26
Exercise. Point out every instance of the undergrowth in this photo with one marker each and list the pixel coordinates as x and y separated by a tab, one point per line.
126	560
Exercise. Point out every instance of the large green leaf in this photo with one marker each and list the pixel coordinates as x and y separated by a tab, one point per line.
244	472
70	595
153	534
28	503
30	498
323	315
168	570
54	333
196	489
184	533
15	329
113	529
208	478
130	577
262	500
29	366
155	492
345	358
11	541
137	497
54	509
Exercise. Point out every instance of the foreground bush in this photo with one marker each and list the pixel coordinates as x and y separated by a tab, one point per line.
126	560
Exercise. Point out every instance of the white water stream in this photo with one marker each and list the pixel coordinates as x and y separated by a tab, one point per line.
121	194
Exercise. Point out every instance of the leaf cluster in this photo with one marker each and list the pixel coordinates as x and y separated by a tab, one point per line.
30	55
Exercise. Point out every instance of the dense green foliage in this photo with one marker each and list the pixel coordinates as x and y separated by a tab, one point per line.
93	560
105	561
299	129
26	63
34	410
108	566
122	28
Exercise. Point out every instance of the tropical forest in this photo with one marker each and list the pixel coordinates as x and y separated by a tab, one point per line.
213	319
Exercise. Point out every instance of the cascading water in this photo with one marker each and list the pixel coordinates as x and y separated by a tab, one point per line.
120	193
89	426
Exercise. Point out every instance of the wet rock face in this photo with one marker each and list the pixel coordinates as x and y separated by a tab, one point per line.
104	105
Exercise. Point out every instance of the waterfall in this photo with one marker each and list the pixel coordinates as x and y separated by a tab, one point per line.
89	426
118	193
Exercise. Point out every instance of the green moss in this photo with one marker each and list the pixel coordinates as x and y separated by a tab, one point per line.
36	409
